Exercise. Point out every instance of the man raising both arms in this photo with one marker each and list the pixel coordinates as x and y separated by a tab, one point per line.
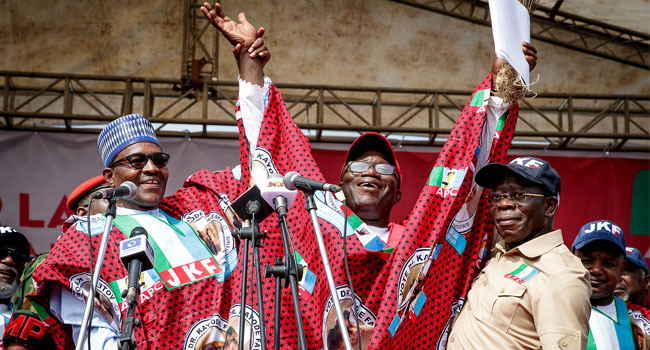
371	181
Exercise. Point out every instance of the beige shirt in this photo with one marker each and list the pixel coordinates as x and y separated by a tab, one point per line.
531	297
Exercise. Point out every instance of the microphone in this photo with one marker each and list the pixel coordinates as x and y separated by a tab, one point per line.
276	194
137	256
293	181
126	190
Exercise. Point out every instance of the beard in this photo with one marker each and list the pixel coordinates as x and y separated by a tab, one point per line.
7	289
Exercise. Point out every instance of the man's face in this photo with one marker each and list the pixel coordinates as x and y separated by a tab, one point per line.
98	206
516	222
605	267
10	272
150	181
634	283
369	194
232	342
352	332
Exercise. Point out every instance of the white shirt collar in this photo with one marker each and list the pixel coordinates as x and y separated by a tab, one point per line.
128	211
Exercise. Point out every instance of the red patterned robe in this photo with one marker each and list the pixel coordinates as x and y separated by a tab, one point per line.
640	318
167	316
203	312
377	281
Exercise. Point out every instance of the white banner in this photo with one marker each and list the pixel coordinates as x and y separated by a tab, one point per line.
38	170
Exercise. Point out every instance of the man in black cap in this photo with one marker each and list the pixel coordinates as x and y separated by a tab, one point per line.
533	292
14	251
29	321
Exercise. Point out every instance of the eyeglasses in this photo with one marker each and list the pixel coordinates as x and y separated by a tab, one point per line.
380	168
18	257
139	160
518	198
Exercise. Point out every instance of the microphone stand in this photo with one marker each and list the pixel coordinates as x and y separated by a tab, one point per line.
132	293
90	303
250	231
310	204
287	271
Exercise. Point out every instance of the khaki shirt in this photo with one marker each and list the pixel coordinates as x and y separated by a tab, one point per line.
542	304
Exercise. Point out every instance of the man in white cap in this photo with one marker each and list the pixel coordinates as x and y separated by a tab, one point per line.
130	151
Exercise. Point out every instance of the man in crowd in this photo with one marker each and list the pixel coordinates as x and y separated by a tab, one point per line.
79	198
370	179
635	280
14	252
533	293
633	288
600	245
32	315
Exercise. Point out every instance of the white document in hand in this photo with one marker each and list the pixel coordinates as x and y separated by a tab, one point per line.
510	26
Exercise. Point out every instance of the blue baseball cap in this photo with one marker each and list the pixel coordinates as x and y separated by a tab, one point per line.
634	256
600	230
535	170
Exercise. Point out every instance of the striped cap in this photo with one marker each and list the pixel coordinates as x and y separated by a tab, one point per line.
122	132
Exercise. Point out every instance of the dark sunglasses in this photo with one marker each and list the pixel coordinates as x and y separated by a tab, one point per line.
139	160
380	168
18	257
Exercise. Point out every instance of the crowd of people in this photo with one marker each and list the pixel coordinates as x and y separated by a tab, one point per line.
478	264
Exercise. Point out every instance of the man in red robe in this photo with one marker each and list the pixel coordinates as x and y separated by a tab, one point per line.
376	291
185	289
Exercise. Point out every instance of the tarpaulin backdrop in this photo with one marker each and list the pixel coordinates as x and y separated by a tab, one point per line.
38	170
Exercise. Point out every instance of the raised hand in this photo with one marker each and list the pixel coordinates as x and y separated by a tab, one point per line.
243	33
530	52
257	49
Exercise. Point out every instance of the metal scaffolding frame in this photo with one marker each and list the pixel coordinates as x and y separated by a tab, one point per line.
559	28
84	103
200	56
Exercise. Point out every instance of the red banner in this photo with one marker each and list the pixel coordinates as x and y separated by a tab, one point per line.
594	186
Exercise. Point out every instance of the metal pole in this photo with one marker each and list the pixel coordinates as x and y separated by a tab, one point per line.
110	214
242	312
278	306
258	280
292	273
311	207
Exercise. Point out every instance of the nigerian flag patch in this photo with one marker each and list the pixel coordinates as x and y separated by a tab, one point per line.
480	98
522	274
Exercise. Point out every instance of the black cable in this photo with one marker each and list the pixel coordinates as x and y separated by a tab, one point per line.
347	271
91	298
293	250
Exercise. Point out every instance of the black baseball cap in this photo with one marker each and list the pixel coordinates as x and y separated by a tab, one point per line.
535	170
9	235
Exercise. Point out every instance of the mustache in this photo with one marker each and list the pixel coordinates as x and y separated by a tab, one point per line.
6	267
